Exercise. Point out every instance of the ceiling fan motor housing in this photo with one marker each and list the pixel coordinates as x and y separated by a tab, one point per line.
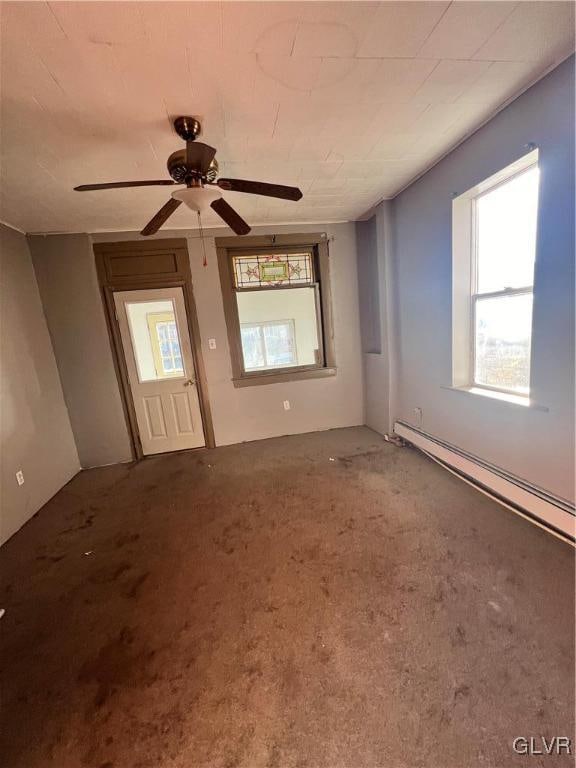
182	173
177	167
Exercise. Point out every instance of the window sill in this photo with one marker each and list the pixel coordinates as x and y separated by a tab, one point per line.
503	397
255	380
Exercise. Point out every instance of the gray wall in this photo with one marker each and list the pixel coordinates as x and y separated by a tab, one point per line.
35	433
534	444
368	286
66	274
376	291
67	277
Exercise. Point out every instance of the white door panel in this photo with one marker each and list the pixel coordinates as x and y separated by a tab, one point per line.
182	413
158	353
155	422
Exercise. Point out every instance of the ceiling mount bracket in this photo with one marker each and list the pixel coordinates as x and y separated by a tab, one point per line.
188	128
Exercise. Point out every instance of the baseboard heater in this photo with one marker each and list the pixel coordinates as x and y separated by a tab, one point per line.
540	507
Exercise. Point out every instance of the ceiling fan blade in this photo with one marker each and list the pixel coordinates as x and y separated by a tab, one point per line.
121	184
163	215
199	155
233	219
260	188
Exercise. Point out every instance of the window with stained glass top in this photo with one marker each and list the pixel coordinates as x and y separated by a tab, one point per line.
277	303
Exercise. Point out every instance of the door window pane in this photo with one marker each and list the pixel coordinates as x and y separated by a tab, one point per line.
279	328
155	339
502	342
506	233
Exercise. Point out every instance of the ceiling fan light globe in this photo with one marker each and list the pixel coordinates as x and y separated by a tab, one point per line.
198	199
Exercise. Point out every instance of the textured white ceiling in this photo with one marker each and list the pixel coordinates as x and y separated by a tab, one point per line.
348	100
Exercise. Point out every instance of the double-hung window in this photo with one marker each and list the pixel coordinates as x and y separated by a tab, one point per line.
276	303
494	239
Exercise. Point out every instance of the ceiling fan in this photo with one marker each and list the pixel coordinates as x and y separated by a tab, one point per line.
197	168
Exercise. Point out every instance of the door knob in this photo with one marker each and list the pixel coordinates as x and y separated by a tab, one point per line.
190	381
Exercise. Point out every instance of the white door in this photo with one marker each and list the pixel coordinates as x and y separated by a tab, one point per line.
156	342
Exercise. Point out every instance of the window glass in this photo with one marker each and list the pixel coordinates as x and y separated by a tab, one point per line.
155	339
268	345
502	342
279	328
272	269
253	347
279	343
506	233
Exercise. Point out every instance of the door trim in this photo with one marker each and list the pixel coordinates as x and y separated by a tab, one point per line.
134	265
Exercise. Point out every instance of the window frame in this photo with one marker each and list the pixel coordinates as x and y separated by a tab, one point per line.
317	245
465	264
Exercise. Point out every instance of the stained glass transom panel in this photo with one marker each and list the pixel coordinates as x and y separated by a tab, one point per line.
264	270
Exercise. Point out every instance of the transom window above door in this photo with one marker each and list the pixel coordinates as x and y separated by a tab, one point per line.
276	300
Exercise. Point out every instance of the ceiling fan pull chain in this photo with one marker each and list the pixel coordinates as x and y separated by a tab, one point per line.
205	260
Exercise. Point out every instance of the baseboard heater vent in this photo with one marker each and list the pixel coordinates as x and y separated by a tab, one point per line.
540	507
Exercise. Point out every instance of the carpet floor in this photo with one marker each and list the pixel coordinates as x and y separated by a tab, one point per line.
318	601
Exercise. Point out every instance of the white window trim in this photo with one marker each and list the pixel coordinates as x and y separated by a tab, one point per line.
464	288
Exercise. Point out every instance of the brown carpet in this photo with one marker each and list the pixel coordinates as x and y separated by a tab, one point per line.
324	600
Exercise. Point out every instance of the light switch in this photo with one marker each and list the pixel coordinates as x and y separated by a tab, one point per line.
212	343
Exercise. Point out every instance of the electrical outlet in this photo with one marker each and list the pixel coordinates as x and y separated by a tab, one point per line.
286	405
212	343
418	416
20	477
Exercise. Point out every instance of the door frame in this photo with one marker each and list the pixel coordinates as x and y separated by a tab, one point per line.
140	265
